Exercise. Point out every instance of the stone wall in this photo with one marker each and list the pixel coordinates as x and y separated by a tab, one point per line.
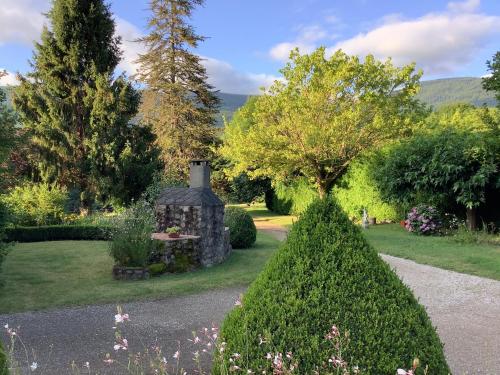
188	218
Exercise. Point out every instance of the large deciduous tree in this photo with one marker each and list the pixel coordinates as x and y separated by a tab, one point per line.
177	100
492	83
77	113
322	115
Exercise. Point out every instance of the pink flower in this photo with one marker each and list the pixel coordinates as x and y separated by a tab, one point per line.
120	318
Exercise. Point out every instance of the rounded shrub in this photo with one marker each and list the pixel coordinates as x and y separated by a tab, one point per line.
327	274
241	227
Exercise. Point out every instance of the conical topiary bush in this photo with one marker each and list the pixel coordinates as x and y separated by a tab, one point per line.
327	274
3	362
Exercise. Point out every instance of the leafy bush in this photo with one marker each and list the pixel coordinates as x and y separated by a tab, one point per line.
131	243
241	226
156	269
36	204
423	219
326	273
292	198
452	170
357	190
58	233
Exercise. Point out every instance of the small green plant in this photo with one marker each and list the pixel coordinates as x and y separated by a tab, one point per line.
242	230
465	235
173	230
131	243
156	269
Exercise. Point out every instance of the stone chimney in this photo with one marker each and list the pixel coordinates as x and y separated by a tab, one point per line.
199	174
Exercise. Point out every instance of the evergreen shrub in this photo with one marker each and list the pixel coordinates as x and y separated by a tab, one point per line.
243	232
326	273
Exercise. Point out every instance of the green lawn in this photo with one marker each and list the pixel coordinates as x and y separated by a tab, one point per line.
260	213
64	273
443	252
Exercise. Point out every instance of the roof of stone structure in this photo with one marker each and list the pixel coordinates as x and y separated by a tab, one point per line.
181	196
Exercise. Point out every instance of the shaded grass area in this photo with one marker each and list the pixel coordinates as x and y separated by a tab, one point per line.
444	252
67	273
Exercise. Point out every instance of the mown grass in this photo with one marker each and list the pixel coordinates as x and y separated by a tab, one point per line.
67	273
444	252
261	214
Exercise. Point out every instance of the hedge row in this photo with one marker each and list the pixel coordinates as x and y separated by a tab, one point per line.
326	273
57	233
355	191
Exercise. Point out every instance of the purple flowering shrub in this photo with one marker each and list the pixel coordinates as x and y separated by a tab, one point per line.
423	219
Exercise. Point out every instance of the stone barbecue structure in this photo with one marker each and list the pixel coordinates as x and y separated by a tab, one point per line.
199	213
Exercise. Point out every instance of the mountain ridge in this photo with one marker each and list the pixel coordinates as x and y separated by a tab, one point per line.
436	93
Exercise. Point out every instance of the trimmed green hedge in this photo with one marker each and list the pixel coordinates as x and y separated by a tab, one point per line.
242	230
3	361
326	273
57	233
357	190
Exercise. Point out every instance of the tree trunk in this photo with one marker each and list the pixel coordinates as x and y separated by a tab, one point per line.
471	218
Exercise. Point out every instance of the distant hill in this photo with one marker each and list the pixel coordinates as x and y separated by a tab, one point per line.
453	90
436	93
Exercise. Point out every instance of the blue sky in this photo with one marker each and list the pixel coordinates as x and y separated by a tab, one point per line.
250	40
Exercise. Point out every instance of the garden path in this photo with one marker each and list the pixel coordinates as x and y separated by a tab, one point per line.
464	308
83	334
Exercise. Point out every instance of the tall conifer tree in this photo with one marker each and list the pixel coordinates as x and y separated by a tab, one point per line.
177	101
78	114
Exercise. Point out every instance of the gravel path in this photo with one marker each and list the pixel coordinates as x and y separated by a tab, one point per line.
59	337
464	308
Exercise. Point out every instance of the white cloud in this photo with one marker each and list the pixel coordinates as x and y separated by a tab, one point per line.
306	41
21	20
221	74
9	79
131	49
226	78
437	42
467	6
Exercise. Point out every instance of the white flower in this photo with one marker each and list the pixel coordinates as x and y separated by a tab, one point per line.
87	365
34	366
176	354
401	371
6	326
